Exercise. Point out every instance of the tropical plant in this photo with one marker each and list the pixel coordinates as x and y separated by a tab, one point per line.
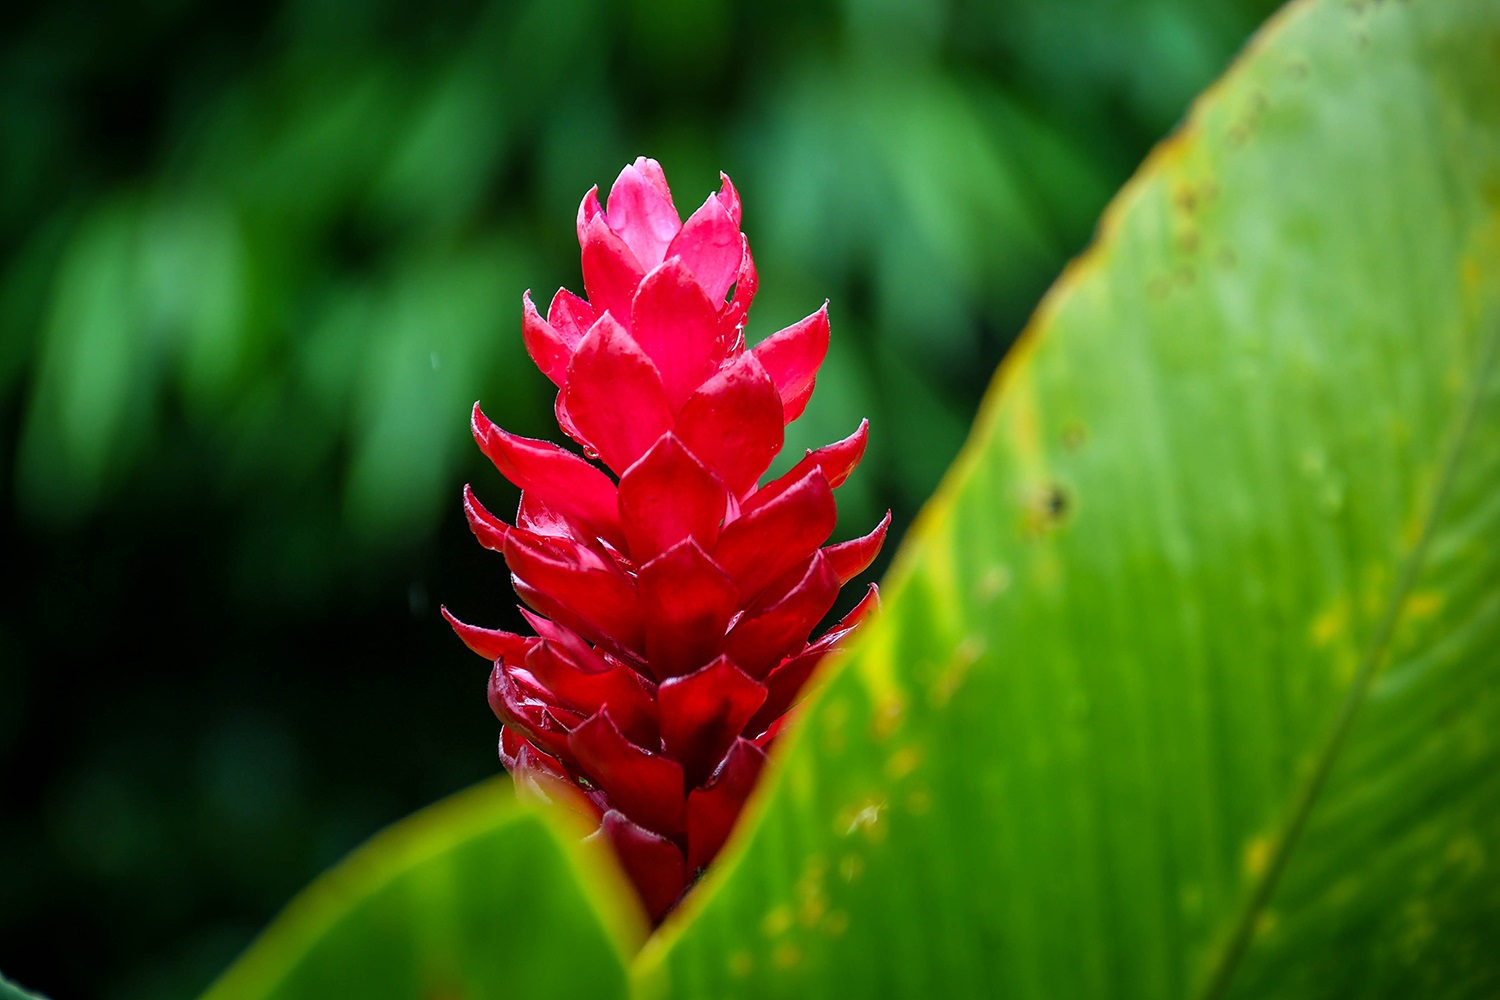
1185	684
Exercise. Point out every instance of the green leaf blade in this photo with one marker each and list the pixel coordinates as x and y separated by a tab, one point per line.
1120	688
478	896
1421	910
11	991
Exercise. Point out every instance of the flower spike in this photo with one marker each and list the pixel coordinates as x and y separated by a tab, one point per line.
674	595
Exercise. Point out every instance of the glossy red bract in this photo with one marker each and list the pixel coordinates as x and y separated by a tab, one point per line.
674	595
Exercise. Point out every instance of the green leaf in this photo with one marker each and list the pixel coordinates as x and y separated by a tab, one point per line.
1187	684
10	991
478	896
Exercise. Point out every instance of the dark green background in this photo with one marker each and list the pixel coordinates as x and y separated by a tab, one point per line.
259	259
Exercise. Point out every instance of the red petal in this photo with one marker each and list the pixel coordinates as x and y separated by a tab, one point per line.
653	862
488	528
640	209
646	786
729	198
571	317
767	738
733	423
588	657
732	322
517	753
510	745
572	645
546	345
536	517
867	606
678	327
687	602
586	690
786	683
710	246
792	356
530	717
614	395
574	587
576	648
784	687
587	210
837	461
610	271
492	644
565	421
765	635
703	713
851	558
540	776
767	542
561	480
713	808
667	496
519	756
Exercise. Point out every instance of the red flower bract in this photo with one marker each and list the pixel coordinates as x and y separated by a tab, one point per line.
674	600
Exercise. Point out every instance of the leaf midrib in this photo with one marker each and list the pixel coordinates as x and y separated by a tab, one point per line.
1371	661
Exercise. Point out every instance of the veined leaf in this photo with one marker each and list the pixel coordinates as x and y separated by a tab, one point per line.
478	896
1189	679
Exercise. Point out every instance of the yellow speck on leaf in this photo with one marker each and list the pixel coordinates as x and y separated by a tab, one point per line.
889	714
1257	856
1328	625
787	955
777	922
1470	270
1423	604
903	762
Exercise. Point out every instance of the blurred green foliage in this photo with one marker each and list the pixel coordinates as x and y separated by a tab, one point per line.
256	262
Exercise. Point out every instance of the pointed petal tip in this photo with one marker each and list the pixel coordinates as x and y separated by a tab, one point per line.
640	210
653	863
550	349
487	528
729	197
612	270
851	558
710	244
792	356
488	644
587	209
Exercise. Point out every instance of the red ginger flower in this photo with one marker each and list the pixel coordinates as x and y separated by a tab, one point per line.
673	607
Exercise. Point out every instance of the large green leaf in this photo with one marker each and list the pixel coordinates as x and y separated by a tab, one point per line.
1189	679
478	896
10	991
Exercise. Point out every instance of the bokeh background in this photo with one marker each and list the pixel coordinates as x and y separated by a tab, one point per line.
258	259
